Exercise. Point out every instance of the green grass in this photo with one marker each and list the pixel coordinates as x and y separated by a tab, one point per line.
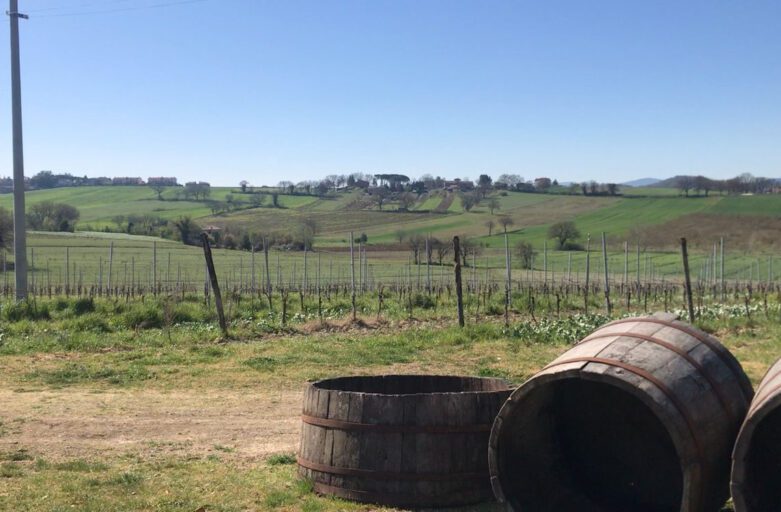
130	480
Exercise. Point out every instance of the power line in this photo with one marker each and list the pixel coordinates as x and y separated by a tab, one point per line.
76	6
121	9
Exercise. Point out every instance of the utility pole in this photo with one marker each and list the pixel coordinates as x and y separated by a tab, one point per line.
20	234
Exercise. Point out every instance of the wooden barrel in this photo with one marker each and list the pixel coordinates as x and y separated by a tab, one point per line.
756	461
640	416
400	440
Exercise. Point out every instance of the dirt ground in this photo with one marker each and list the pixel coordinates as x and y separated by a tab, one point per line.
69	424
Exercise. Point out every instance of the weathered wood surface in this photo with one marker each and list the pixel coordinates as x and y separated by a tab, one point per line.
408	441
756	461
641	415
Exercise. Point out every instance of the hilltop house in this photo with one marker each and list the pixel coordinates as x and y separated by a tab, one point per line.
127	181
163	182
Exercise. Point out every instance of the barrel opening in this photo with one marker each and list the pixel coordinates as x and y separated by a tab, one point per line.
412	384
763	465
580	445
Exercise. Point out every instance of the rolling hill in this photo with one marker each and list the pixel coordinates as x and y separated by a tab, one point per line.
438	214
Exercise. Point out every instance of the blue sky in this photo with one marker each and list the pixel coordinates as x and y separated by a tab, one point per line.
292	90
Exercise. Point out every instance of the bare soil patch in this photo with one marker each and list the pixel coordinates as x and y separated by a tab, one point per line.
743	232
73	423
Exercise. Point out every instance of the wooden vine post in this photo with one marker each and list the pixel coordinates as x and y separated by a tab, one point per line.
352	277
207	253
687	276
508	283
608	305
459	291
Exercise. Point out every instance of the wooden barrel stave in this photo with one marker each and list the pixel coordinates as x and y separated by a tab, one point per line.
756	460
694	388
408	466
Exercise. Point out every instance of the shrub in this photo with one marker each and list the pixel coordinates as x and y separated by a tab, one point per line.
25	310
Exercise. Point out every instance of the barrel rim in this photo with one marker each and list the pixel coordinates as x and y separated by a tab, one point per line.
689	464
508	387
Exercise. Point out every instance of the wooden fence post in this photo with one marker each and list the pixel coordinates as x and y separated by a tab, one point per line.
352	276
508	285
607	277
459	292
588	270
689	298
207	253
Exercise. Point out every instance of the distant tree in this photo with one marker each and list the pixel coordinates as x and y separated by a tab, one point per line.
50	216
684	184
701	183
510	180
379	195
484	181
469	200
506	222
469	248
525	253
612	189
308	231
407	200
197	190
400	235
763	185
256	199
747	180
6	229
593	187
246	242
442	248
275	199
563	232
229	241
493	204
542	184
490	224
44	179
159	189
187	230
324	187
120	221
584	188
734	186
416	243
244	184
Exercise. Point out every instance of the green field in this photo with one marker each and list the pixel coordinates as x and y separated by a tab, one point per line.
654	222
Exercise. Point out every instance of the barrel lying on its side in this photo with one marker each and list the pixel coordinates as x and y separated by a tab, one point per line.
640	416
756	465
400	440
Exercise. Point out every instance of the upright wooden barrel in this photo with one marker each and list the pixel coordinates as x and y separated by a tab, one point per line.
756	461
400	440
640	416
